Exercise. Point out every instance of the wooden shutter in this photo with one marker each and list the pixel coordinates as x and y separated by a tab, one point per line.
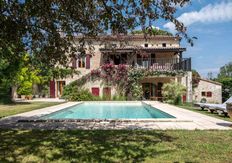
184	98
52	89
88	61
95	91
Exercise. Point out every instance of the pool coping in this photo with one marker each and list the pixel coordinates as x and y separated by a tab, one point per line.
185	119
38	117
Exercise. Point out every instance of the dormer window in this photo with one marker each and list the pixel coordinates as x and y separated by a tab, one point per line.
146	45
163	44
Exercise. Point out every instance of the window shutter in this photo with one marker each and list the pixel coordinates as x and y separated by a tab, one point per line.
95	91
52	89
88	61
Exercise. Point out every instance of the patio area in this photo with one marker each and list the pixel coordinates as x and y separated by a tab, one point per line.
185	119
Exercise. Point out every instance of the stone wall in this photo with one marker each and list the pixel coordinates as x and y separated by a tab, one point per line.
97	59
208	86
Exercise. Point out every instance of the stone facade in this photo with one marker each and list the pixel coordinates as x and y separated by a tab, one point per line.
163	52
210	90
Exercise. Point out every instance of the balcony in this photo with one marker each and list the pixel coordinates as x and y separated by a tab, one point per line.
164	64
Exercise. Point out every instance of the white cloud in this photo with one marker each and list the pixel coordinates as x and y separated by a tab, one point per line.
211	13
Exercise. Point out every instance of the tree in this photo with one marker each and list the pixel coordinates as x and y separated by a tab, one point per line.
210	76
226	87
172	92
27	72
195	78
48	29
226	71
225	77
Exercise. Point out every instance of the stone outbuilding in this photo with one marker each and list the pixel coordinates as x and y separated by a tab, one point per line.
208	89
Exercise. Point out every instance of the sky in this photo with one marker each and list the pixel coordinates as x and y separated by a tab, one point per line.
211	22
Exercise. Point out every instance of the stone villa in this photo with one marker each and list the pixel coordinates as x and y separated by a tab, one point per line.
164	53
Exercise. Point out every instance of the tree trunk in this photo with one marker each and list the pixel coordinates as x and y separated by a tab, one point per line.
13	93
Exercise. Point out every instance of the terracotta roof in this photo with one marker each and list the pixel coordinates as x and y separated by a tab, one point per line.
144	48
133	37
211	81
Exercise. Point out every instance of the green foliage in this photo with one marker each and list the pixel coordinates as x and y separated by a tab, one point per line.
226	87
203	100
125	79
225	77
134	88
45	90
195	78
59	73
153	31
225	71
5	92
25	88
172	92
42	27
119	98
26	76
74	93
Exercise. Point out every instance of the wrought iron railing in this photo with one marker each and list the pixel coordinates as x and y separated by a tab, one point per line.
163	64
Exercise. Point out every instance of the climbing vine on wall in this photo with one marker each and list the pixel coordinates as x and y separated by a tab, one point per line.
124	78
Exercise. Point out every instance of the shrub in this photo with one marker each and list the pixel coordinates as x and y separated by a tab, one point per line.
25	88
119	98
106	97
203	100
80	95
173	92
74	93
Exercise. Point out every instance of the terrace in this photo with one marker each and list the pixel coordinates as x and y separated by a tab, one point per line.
158	59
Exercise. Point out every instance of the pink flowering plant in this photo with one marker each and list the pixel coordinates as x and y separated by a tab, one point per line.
124	78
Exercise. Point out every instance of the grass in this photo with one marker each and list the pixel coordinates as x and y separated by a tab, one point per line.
16	108
115	146
189	106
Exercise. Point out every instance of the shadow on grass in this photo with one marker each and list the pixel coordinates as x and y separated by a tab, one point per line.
81	146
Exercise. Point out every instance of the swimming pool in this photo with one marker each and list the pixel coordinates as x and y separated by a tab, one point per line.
109	110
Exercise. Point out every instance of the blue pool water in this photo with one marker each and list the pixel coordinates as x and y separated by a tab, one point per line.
109	110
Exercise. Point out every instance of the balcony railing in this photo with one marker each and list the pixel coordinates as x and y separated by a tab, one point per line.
165	64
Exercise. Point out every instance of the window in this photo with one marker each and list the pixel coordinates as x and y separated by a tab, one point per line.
209	94
203	94
81	62
163	44
146	45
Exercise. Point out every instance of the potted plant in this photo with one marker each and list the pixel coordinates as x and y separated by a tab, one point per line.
229	109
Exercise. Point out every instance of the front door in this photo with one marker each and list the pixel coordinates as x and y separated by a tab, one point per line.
60	88
152	91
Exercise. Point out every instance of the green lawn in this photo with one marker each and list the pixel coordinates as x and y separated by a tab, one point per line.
198	109
115	146
16	108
